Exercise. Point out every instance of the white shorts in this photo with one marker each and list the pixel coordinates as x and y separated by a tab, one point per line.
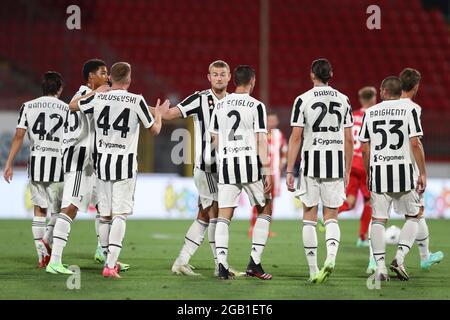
94	196
421	199
229	194
404	203
47	195
78	187
116	197
206	184
330	191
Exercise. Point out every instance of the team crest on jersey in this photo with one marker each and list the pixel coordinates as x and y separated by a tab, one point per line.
210	102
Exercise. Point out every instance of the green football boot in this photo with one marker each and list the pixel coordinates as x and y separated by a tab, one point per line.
58	268
434	258
325	272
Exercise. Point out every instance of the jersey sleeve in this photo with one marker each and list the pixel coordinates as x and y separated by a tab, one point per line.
298	116
22	122
348	117
414	125
78	94
190	105
214	123
144	114
86	105
364	131
260	120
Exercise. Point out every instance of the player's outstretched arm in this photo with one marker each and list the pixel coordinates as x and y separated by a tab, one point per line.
419	156
15	147
171	114
73	105
295	141
155	129
348	149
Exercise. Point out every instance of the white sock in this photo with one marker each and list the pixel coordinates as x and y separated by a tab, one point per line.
60	236
48	235
193	239
38	230
407	237
212	237
222	237
116	235
332	239
260	235
97	232
370	244
422	240
104	226
310	245
378	243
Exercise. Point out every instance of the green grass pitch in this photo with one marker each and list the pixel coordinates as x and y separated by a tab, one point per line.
151	246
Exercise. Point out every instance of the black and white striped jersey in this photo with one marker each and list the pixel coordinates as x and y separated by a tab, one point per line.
78	137
43	118
388	126
117	114
200	106
324	113
236	120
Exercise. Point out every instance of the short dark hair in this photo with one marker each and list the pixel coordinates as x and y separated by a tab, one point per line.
322	69
52	81
92	66
393	86
242	75
410	78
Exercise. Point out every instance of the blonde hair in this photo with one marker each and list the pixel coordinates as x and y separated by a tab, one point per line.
218	64
120	71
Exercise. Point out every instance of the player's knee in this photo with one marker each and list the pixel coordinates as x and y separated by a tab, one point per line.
351	202
70	211
40	212
267	210
310	216
330	216
203	214
213	211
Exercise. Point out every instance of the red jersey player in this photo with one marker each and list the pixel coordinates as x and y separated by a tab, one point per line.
367	98
277	157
